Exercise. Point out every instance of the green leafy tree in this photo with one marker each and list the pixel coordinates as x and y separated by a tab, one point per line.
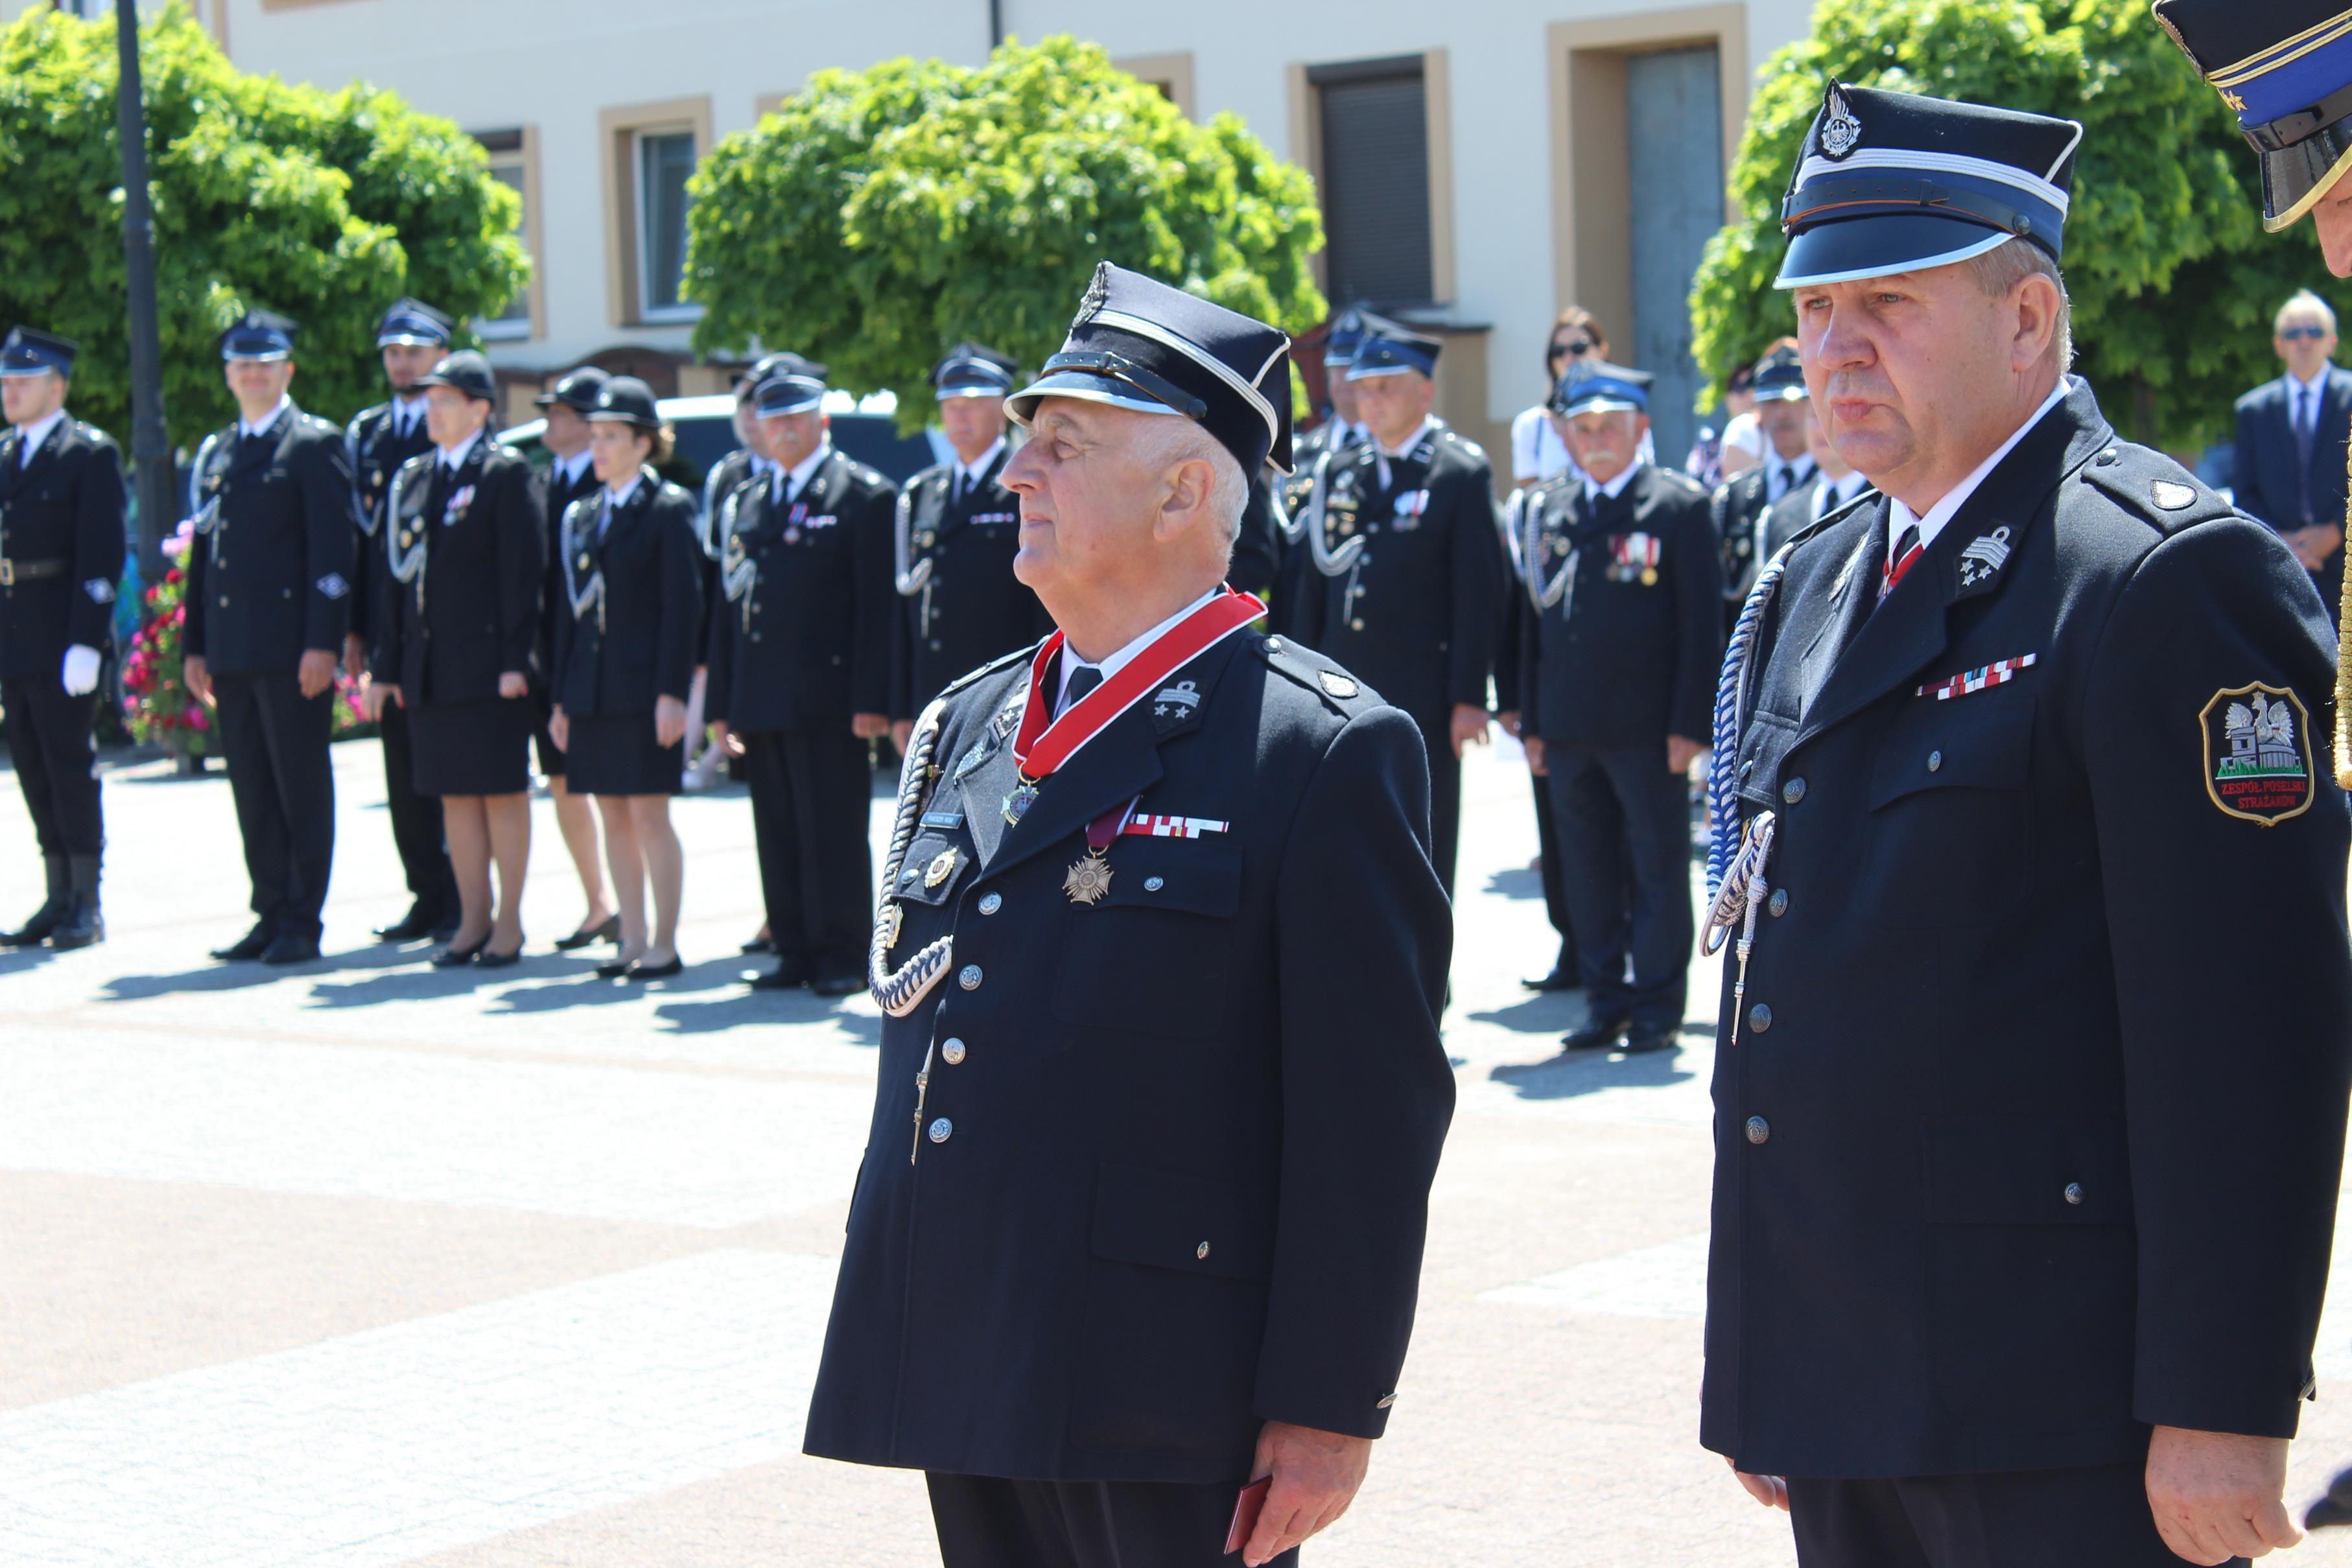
883	214
324	206
2174	284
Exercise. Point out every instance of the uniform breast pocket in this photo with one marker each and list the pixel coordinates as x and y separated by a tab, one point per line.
1951	820
1153	955
934	868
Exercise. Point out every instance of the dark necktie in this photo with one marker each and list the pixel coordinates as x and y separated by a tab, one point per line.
2307	435
1783	479
1900	560
1083	679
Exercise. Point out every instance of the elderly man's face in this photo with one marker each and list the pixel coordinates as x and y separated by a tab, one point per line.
1603	441
1782	420
1903	368
1089	500
790	437
2304	341
1394	405
972	424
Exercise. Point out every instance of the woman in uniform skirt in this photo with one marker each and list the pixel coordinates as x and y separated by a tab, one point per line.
463	540
624	658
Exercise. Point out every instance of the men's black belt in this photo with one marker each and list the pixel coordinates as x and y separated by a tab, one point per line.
13	572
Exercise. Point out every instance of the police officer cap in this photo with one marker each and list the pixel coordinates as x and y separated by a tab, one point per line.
413	321
2285	68
30	352
1780	377
1341	340
1137	343
628	401
1595	386
575	389
464	371
970	370
1390	348
1892	183
791	385
748	378
259	335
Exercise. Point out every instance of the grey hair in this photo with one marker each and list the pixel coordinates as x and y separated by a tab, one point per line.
2004	266
2303	302
1172	439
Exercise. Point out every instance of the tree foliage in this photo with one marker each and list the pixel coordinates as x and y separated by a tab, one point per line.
324	206
883	214
2173	281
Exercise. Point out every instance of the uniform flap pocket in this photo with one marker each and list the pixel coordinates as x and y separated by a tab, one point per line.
1971	743
934	866
1196	876
1761	751
1186	1223
2027	1170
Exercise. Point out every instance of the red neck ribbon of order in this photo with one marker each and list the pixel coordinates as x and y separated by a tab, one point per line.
1040	746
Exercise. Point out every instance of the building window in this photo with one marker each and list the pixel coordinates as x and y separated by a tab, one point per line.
1372	135
664	161
511	155
85	9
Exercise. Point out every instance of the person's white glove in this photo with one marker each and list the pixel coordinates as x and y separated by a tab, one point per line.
81	674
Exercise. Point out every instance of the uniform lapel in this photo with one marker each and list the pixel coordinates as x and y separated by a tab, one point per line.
625	518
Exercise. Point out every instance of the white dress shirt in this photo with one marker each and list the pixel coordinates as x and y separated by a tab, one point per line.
1072	664
30	437
567	470
1900	517
968	475
407	413
1783	475
1614	489
247	427
1835	492
615	499
786	485
455	456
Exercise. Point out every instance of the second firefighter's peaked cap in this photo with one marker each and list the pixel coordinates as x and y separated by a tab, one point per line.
2285	68
1891	181
1138	343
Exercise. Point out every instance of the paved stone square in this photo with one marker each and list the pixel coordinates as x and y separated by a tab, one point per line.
366	1264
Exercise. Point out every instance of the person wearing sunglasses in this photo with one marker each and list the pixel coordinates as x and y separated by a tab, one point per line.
2290	443
1537	450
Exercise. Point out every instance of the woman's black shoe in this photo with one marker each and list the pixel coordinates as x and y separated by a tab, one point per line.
489	960
458	957
655	971
608	930
760	945
617	970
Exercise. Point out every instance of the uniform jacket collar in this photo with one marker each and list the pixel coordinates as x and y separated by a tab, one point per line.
626	516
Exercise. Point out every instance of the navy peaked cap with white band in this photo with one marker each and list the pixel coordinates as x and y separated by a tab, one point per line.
1780	377
791	385
1137	343
970	370
1890	182
1343	338
413	321
1595	386
30	352
2285	68
1389	347
259	335
748	378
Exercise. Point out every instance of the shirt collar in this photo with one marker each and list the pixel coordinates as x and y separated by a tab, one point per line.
1615	487
1800	468
1837	493
2317	384
971	472
1410	441
797	480
407	413
569	469
1900	517
615	499
1125	656
455	457
30	437
244	427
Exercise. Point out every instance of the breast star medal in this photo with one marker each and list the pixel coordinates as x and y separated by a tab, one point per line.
1024	795
940	870
1089	880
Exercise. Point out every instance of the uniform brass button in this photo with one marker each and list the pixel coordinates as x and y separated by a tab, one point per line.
1793	791
951	1052
1356	624
942	1130
224	601
1759	1018
1747	768
1779	902
935	645
2073	1192
1758	1130
990	902
1154	884
1202	1251
1934	761
969	977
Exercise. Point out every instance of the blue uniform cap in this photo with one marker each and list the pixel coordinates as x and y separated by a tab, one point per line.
1595	386
1138	343
1389	349
1345	335
30	352
970	370
259	335
790	385
2284	68
414	321
1780	377
1891	181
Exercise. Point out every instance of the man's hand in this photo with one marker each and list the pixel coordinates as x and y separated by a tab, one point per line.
354	656
1534	746
1316	1475
199	677
1510	722
316	673
79	672
669	721
513	684
558	730
1773	1491
1681	752
902	733
2218	1495
380	696
869	725
2314	545
1469	726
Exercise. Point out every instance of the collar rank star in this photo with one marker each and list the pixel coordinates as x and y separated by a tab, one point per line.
1986	555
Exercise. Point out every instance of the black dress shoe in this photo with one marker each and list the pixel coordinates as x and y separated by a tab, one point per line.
1662	1037
789	975
458	957
760	945
1558	980
245	948
291	950
2335	1508
414	926
606	930
837	982
617	969
487	959
641	971
1600	1035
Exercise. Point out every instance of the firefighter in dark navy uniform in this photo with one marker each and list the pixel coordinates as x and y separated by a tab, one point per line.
2026	1157
1160	954
268	604
1293	568
1617	665
800	669
1407	568
411	338
61	546
960	605
1741	504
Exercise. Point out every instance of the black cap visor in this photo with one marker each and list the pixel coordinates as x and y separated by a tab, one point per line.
1843	250
2296	178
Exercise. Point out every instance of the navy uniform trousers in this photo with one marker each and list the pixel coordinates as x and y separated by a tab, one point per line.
810	790
2096	1517
1622	833
48	734
276	741
984	1521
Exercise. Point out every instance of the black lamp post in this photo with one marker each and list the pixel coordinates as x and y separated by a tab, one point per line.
151	442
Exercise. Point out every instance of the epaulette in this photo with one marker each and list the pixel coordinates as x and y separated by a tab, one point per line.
1454	438
1832	519
671	488
321	426
1340	692
1681	480
94	436
990	668
367	413
422	461
2153	488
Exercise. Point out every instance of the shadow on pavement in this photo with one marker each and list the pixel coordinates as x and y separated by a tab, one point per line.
216	977
1539	1012
1519	882
416	980
582	987
1589	1072
769	1008
13	960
